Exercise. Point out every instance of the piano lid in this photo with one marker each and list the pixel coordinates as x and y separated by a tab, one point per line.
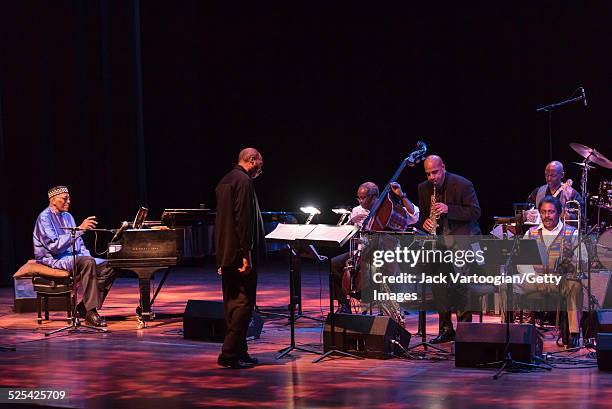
183	217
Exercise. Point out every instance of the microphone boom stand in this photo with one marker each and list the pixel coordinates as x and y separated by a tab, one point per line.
76	323
508	363
549	109
428	347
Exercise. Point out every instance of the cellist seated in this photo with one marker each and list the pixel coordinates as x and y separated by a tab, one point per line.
344	285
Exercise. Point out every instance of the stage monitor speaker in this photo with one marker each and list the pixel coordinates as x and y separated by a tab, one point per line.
368	336
595	322
604	351
604	321
480	343
204	320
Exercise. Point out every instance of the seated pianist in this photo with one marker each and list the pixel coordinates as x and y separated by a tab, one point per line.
53	248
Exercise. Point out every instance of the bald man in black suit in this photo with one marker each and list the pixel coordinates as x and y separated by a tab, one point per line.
458	210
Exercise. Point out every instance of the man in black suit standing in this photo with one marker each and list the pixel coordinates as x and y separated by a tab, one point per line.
239	239
458	211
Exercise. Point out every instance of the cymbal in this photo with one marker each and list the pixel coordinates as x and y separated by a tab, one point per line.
591	155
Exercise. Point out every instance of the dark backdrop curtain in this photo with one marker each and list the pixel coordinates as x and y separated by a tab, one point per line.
148	103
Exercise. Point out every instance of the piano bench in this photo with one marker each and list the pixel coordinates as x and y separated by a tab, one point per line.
47	282
50	288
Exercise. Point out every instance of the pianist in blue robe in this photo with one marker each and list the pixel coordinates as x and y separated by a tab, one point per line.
53	248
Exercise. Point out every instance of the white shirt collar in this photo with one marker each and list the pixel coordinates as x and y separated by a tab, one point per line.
553	232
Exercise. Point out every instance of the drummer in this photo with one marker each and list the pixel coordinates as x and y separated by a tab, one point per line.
554	186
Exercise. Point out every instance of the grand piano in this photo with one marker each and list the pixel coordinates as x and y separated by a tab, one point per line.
146	251
181	236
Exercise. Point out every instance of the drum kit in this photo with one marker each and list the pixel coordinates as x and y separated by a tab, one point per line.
600	205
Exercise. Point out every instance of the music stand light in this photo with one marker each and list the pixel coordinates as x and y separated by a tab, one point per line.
343	212
311	211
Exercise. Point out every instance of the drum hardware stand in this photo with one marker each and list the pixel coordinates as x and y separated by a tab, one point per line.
584	192
75	324
590	156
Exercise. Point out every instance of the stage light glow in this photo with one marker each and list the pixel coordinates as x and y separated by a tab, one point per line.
341	210
310	210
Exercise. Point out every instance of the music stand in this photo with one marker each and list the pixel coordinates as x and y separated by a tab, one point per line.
507	253
296	254
288	234
76	323
331	236
303	235
141	216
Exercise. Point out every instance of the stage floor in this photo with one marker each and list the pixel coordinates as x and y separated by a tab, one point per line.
155	367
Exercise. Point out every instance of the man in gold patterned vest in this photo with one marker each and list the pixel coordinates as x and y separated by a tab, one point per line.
554	234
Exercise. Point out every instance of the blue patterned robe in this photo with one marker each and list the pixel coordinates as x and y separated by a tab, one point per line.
52	244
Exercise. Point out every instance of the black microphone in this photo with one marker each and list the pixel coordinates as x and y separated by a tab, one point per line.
120	231
583	96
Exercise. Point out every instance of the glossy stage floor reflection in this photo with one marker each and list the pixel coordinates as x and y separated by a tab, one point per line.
156	368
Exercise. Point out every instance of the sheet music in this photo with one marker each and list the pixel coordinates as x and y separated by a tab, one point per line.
290	232
336	234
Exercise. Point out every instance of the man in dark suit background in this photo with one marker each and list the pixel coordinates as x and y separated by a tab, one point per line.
458	210
239	240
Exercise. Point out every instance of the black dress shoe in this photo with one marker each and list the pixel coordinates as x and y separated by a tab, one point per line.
344	309
574	341
249	359
233	363
444	336
93	318
81	311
